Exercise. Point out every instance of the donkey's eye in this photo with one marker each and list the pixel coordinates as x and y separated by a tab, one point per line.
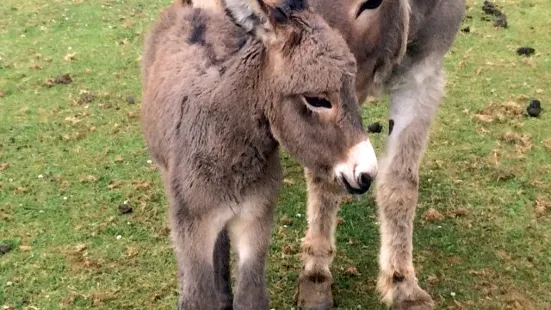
369	5
318	102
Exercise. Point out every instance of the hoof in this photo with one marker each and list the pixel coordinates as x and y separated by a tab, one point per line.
417	299
314	292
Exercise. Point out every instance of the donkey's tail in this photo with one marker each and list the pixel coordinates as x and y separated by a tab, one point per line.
202	4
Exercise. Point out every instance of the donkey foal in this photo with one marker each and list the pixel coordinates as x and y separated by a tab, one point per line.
222	91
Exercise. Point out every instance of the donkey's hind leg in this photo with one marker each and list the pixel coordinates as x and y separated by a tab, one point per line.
318	249
414	101
222	271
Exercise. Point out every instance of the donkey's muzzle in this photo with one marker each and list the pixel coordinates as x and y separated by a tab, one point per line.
359	170
363	184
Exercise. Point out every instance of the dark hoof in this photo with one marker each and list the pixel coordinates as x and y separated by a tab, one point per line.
314	292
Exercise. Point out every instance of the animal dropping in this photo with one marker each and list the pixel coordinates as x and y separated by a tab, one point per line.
534	108
375	127
5	248
525	51
500	19
63	79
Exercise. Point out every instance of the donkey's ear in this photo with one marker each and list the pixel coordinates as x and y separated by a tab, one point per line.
260	18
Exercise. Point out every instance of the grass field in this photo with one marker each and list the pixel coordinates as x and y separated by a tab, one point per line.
71	154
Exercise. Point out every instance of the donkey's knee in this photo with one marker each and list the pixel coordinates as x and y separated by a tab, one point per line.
317	254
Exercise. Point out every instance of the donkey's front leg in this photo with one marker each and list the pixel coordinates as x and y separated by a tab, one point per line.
250	237
414	101
194	238
318	248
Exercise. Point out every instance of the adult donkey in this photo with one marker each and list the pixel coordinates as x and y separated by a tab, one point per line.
399	47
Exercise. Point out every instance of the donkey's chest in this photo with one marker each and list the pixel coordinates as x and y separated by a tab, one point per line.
234	161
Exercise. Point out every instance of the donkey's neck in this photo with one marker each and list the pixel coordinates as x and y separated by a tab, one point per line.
237	113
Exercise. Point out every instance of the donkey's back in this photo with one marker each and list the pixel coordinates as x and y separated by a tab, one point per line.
182	63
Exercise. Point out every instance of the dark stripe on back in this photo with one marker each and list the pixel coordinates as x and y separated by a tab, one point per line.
296	5
197	35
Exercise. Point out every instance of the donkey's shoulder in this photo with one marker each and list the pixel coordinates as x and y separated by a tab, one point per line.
206	32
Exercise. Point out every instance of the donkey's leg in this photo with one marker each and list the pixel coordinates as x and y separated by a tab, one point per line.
222	271
194	238
249	233
414	101
318	249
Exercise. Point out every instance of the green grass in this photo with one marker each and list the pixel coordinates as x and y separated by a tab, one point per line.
66	166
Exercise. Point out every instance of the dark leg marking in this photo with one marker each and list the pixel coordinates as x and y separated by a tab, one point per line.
397	277
390	126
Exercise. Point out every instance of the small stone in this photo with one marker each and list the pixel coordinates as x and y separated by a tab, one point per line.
466	29
5	248
130	100
525	51
375	128
534	108
125	208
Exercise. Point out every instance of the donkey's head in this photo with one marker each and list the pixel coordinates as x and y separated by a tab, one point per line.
309	76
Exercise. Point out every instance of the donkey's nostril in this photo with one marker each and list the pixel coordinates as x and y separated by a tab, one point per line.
365	180
349	188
